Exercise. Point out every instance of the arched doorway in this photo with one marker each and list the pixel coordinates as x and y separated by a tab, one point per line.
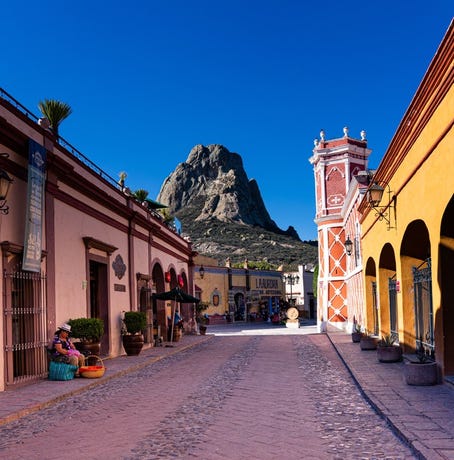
417	289
159	309
388	292
370	322
445	271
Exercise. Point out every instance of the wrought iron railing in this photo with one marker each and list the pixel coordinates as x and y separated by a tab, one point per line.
75	152
25	317
375	306
392	292
424	328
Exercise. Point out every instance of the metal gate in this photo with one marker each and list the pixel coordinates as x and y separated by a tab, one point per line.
25	326
422	286
392	291
375	306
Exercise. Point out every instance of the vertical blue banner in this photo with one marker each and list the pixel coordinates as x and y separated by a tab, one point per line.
35	207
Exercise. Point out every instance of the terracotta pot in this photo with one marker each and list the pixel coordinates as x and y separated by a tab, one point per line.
133	344
89	348
356	337
368	342
391	354
421	373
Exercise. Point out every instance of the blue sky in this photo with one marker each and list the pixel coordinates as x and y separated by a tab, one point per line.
147	80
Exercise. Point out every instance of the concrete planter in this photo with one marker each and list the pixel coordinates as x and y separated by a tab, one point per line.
421	373
368	343
356	337
391	354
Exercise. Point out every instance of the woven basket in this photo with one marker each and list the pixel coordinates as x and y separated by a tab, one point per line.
92	372
61	371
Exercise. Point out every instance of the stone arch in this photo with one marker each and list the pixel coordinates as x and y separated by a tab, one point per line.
159	309
371	298
387	307
445	315
414	251
173	278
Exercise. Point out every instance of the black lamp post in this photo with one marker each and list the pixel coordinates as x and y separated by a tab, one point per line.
201	272
374	196
290	280
5	182
348	246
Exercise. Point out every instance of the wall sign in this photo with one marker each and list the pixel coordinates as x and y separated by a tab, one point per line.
119	267
35	205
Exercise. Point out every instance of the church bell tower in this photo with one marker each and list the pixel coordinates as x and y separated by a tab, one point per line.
335	162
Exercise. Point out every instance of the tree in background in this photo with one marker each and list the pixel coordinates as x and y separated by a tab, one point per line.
315	281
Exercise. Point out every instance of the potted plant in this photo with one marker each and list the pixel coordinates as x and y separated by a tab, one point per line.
89	332
368	341
203	325
423	371
134	323
356	333
387	349
201	318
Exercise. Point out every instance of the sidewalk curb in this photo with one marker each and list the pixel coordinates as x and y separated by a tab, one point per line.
375	407
96	382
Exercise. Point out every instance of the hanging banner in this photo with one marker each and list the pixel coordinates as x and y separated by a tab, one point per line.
35	207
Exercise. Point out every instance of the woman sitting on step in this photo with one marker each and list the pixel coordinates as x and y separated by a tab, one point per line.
63	350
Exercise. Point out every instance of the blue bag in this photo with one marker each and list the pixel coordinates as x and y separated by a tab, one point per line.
61	371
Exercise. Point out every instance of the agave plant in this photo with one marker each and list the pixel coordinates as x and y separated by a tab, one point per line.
387	340
55	111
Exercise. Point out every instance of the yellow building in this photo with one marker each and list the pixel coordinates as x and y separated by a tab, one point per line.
408	237
237	294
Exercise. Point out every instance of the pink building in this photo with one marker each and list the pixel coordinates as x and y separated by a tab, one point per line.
336	162
74	244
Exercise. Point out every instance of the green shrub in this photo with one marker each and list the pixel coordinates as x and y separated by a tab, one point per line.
135	321
87	329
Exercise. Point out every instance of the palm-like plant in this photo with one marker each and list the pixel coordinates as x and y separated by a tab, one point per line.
55	111
141	194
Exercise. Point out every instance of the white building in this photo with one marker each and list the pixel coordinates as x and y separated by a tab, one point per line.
299	291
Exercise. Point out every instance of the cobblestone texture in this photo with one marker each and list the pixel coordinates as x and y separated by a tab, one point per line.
266	397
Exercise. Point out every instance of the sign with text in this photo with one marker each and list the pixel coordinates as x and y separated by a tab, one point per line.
34	207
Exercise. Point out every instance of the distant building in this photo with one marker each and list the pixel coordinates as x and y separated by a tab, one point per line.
237	294
299	291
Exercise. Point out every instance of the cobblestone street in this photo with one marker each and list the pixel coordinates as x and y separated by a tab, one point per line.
258	397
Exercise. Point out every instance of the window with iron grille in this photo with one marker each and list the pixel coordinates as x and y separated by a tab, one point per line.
422	286
25	313
392	291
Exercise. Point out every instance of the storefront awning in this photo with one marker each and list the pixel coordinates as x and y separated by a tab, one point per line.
154	204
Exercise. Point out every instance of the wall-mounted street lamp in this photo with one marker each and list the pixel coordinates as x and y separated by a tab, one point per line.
348	246
291	280
374	197
5	182
201	271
